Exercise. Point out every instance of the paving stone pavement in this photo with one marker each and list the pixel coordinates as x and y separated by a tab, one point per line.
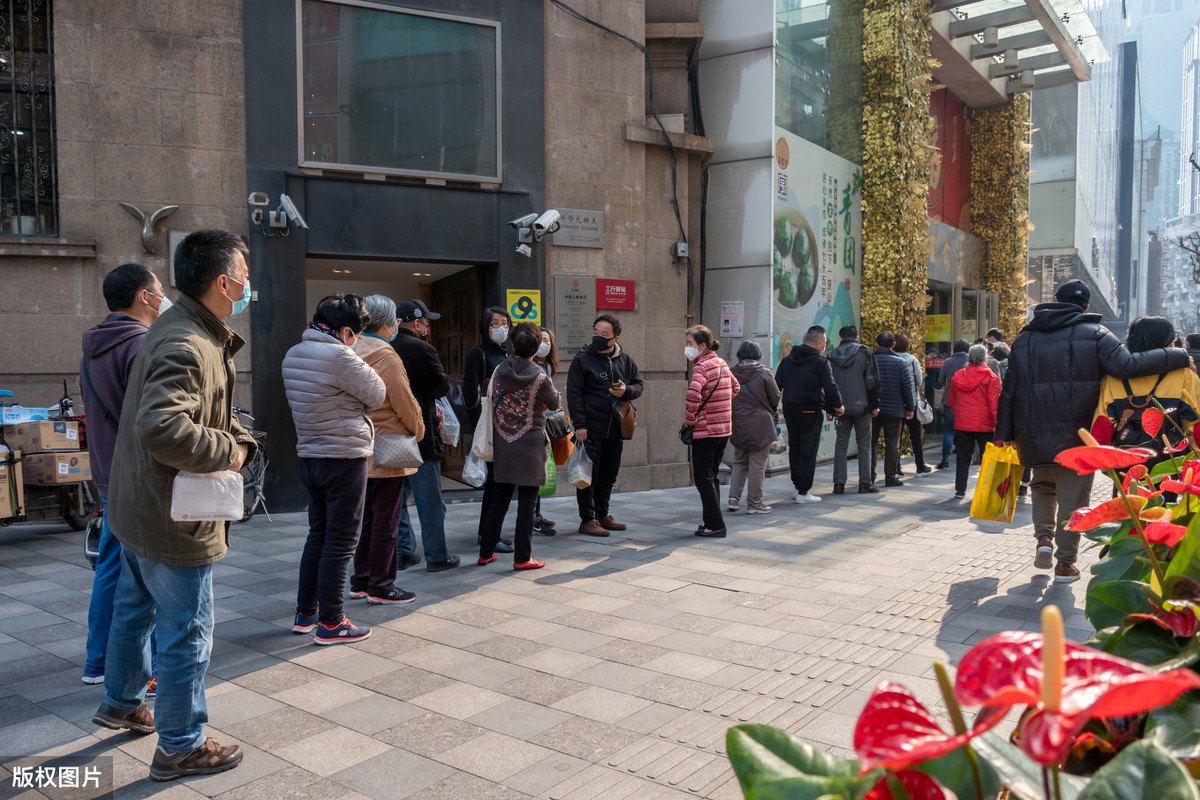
612	673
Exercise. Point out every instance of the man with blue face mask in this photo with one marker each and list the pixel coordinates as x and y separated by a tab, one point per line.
178	419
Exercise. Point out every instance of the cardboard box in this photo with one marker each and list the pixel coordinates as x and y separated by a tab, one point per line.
12	486
42	437
12	415
48	469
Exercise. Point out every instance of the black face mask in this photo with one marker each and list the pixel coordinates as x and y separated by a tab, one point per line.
600	343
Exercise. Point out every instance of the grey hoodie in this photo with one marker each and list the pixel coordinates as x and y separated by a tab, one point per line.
857	377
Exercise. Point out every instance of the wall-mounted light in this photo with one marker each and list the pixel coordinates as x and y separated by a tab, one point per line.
991	36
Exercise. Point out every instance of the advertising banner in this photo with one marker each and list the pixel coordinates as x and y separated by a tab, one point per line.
817	253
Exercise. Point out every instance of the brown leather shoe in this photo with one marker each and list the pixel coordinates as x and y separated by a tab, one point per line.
610	524
592	528
206	759
140	720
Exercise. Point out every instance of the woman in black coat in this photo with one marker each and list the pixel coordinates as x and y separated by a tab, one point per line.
522	395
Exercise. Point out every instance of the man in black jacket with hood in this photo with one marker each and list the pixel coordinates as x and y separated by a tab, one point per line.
857	378
1050	391
809	394
600	376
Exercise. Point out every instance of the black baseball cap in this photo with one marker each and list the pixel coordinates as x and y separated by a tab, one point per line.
1073	291
414	309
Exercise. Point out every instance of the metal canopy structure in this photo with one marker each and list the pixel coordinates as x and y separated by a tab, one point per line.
991	49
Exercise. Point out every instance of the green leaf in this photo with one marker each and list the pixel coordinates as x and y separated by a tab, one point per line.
1177	727
1186	658
1143	770
1120	563
1145	643
1108	603
1164	468
1019	772
1186	558
771	763
953	771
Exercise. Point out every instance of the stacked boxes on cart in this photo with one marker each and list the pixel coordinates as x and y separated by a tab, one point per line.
40	453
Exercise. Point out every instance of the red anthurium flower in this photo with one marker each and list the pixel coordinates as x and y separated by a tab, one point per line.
1167	533
1102	430
1180	622
1152	420
895	731
1090	458
1086	519
1189	480
918	785
1007	669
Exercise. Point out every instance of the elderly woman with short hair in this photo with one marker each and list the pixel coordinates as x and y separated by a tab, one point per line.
974	395
375	556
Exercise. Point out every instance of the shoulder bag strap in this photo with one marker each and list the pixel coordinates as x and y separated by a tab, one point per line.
86	373
700	407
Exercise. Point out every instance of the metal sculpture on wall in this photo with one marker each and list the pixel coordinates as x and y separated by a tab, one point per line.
148	222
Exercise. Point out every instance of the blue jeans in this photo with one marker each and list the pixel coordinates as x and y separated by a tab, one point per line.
426	487
947	432
177	604
104	588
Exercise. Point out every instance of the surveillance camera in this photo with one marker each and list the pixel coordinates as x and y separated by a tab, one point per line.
546	223
289	208
523	222
525	250
258	199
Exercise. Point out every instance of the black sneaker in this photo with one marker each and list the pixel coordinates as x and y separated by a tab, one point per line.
924	469
943	464
544	529
1044	555
449	563
396	595
893	482
410	560
839	488
502	546
544	523
868	488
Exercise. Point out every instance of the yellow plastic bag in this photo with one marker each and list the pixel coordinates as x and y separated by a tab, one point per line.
995	496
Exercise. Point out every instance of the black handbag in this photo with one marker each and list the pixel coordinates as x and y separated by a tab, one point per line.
557	425
686	432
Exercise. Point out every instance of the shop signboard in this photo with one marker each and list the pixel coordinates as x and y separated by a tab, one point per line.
574	310
525	305
612	293
938	328
817	256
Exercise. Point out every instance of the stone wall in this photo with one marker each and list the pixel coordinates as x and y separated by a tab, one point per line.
149	111
596	87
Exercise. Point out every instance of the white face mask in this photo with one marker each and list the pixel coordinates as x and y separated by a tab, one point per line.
499	335
543	350
690	353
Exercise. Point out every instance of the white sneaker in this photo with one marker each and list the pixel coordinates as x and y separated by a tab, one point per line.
734	504
806	498
759	509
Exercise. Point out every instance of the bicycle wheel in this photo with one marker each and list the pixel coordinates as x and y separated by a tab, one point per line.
249	502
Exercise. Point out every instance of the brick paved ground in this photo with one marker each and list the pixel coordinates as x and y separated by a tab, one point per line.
612	673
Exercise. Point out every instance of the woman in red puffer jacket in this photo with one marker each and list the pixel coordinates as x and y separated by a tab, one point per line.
974	393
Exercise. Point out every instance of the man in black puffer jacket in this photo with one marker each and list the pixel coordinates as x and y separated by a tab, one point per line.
1050	391
806	380
897	402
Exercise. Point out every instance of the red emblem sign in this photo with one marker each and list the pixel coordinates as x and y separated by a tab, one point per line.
612	293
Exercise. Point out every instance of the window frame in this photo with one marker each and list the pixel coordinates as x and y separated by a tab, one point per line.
379	170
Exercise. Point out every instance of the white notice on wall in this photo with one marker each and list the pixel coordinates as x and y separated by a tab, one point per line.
733	312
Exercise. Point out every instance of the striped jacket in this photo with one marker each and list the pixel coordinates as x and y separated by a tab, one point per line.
716	418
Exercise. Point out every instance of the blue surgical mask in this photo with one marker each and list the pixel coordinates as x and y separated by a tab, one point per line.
242	304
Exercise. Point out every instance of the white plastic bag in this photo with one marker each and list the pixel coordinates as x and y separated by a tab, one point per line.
209	496
579	468
474	471
451	427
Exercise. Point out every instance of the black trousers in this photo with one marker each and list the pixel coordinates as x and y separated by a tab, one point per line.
916	432
804	437
891	427
605	454
336	490
491	520
706	461
965	445
375	555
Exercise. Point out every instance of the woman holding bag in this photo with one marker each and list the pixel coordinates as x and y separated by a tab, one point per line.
708	421
974	393
374	575
521	394
547	359
754	431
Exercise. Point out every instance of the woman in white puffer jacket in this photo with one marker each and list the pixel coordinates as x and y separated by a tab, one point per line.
331	391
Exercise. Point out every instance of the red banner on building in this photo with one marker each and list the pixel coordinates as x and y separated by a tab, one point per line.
611	293
950	184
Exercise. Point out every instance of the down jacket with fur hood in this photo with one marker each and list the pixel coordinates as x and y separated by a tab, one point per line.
331	391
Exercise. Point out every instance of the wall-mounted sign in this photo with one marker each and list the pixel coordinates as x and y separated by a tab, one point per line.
613	293
733	315
574	310
579	227
525	305
937	328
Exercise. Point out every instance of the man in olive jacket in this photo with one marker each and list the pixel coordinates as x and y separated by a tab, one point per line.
1051	390
177	418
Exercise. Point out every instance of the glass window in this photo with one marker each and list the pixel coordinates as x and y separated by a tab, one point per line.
28	191
397	91
818	73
